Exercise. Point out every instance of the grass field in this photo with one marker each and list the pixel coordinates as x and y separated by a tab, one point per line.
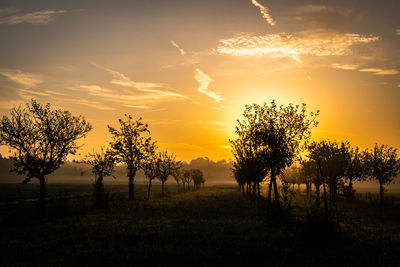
212	226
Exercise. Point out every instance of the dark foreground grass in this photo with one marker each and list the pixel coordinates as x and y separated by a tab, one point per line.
213	226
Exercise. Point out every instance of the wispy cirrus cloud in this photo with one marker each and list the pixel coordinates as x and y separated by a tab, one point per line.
264	12
25	79
293	46
377	71
178	47
149	87
13	16
344	66
204	80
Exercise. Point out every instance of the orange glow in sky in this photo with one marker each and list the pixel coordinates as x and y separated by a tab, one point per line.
189	69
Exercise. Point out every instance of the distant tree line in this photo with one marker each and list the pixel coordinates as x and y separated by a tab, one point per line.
275	142
41	139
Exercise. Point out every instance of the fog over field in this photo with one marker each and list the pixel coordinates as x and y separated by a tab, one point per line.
215	173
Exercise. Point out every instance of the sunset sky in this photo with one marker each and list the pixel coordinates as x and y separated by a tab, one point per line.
189	67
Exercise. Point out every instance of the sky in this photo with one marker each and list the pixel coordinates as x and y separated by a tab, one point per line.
188	68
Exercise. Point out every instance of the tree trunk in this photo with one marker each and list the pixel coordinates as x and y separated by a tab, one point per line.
254	189
298	188
318	196
131	188
131	176
162	187
381	191
276	191
258	191
269	192
149	189
42	196
178	186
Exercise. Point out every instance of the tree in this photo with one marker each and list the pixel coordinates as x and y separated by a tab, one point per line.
103	164
197	177
278	134
132	145
186	178
383	166
248	166
356	170
42	139
177	173
310	175
151	169
166	165
334	160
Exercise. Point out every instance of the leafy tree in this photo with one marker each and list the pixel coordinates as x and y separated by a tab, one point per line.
132	145
278	134
177	173
248	166
197	177
167	165
310	175
41	139
186	178
383	166
356	170
334	160
103	164
151	170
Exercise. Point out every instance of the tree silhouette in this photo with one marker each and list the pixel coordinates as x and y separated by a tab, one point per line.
248	166
177	173
186	178
278	134
383	166
151	170
334	160
41	138
197	177
310	175
103	164
132	145
166	165
356	170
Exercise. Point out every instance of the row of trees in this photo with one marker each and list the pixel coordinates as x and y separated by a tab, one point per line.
274	142
41	139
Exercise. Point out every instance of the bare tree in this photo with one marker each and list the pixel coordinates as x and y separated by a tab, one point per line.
41	139
103	164
383	166
132	145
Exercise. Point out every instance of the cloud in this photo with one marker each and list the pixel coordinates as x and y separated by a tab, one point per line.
398	32
178	47
27	80
344	66
37	17
219	123
381	71
264	12
205	81
149	87
293	46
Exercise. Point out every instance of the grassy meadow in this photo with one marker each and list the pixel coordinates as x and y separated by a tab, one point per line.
211	226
